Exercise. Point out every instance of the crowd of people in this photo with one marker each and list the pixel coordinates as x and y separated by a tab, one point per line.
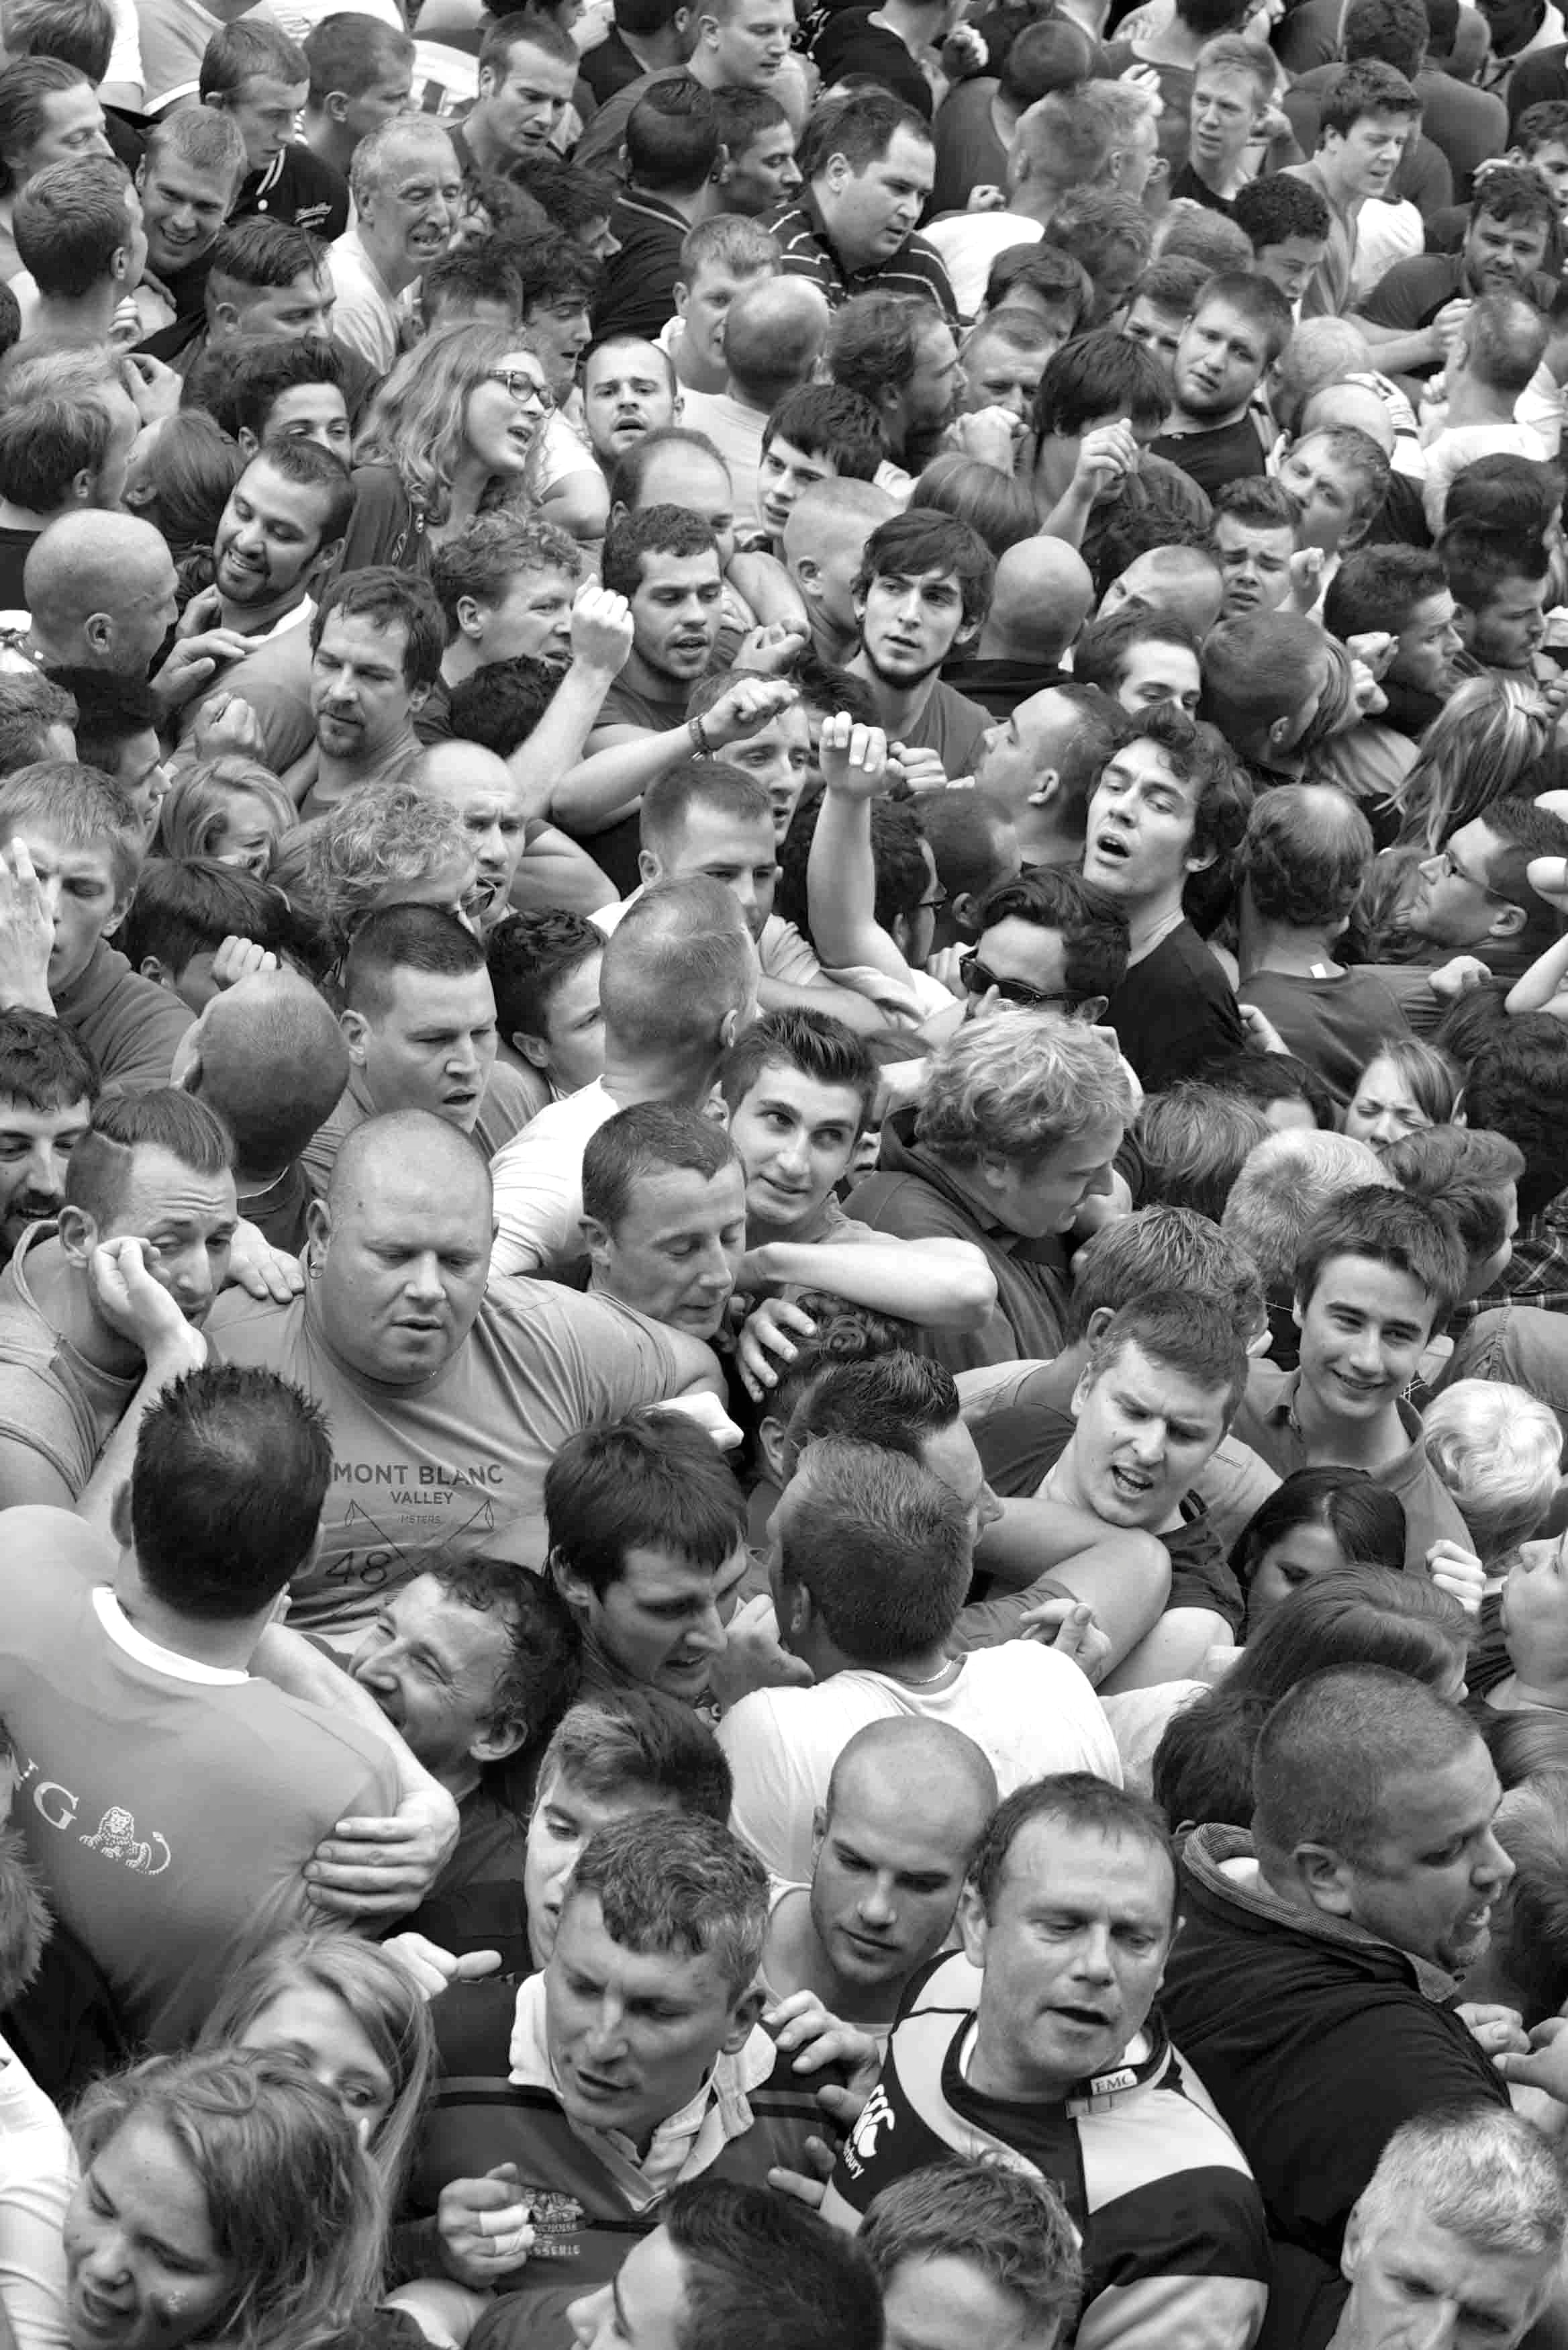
783	1175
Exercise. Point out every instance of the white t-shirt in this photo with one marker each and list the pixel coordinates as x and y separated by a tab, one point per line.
1027	1709
365	313
970	242
299	18
37	2173
174	34
538	1178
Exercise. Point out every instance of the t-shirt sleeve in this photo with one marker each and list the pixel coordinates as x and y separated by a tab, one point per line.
1398	301
538	1203
772	1807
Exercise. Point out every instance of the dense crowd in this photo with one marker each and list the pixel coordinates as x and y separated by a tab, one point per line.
783	1175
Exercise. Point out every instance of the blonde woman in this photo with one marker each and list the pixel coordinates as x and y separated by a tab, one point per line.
1475	751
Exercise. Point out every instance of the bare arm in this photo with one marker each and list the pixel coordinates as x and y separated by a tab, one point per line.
131	1302
942	1285
610	782
601	640
841	876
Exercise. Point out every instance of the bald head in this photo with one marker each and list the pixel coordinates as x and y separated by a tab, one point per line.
96	567
1320	351
400	1248
1042	597
1350	403
1184	582
404	1154
934	1774
455	772
772	337
268	1055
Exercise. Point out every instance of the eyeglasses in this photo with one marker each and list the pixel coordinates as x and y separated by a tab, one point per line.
526	390
934	905
979	980
1454	871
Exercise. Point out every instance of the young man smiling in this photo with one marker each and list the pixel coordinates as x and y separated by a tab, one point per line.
1170	801
1378	1273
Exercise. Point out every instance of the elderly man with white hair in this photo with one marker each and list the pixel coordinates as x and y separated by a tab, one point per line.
407	186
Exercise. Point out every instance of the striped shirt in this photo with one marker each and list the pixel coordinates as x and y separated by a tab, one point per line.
916	268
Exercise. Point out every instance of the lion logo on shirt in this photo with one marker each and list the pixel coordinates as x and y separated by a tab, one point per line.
115	1837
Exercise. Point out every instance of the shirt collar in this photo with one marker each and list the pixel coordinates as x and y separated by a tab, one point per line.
125	1637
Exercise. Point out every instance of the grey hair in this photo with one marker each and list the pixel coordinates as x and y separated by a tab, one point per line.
1281	1186
1483	2172
370	156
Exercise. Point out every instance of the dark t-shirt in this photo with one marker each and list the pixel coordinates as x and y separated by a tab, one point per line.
1231	452
1174	1012
15	546
300	190
968	152
849	43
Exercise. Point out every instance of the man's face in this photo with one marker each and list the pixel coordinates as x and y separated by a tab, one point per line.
738	852
564	1817
1453	904
1157	330
360	698
1428	646
1218	362
1293	264
777	756
1222	118
1367	156
1551	159
675	614
401	1271
997	375
909	623
704	304
749	49
1427	1882
265	111
489	800
933	2303
1414	2284
72	127
523	102
1021	754
1363	1332
187	1220
36	1146
870	213
1254	560
410	214
1507	631
933	397
1502	255
1017	966
558	331
676	1251
632	2035
1155	671
1143	1432
433	1665
1034	1197
269	538
645	2308
796	1137
680	475
135	241
290	312
626	394
1328	489
574	1036
387	96
763	175
183	210
533	619
885	1884
312	411
143	778
1142	817
80	893
432	1048
1132	172
1073	1954
662	1619
784	472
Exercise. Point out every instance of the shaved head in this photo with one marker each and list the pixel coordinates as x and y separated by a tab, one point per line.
454	771
1350	403
831	515
408	1152
89	563
932	1772
1040	601
772	337
268	1055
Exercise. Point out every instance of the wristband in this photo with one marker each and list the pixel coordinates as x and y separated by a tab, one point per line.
704	749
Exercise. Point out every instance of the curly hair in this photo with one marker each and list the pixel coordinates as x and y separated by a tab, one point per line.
375	838
1020	1087
193	818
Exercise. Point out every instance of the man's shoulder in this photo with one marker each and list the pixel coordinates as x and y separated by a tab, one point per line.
46	1555
256	1329
557	1128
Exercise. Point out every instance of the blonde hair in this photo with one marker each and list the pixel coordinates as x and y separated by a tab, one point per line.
1020	1087
418	421
1499	1450
196	807
1474	752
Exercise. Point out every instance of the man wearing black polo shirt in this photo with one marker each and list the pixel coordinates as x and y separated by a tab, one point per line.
1241	326
1414	307
260	79
853	230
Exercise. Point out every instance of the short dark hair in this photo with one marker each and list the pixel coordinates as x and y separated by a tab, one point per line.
244	51
55	423
1195	1336
652	530
921	540
542	1665
1477	561
388	599
1368	87
638	1142
618	1740
1193	1139
27	85
551	268
678	1881
1012	2225
473	273
1171	284
30	705
1045	271
900	874
1304	856
261	251
347	52
226	1492
111	710
1273	210
69	223
1162	1249
754	2263
1100	655
163	1119
1200	754
78	32
1258	300
843	1333
1379	587
881	1546
830	422
530	956
862	128
1329	1751
1098	375
814	1043
1463	1170
1074	1800
874	341
1514	193
422	938
1392	1229
673	137
526	28
488	553
42	1063
652	1480
1259	501
240	383
1518	1088
1269	1077
894	1401
1509	496
1092	926
187	906
499	705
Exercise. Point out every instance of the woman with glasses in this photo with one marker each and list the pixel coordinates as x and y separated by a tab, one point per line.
449	434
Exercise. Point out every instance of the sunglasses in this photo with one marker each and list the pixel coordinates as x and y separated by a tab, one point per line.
979	980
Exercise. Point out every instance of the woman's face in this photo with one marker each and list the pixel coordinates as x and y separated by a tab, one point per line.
1383	1109
1298	1557
311	2022
142	2269
245	840
505	412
